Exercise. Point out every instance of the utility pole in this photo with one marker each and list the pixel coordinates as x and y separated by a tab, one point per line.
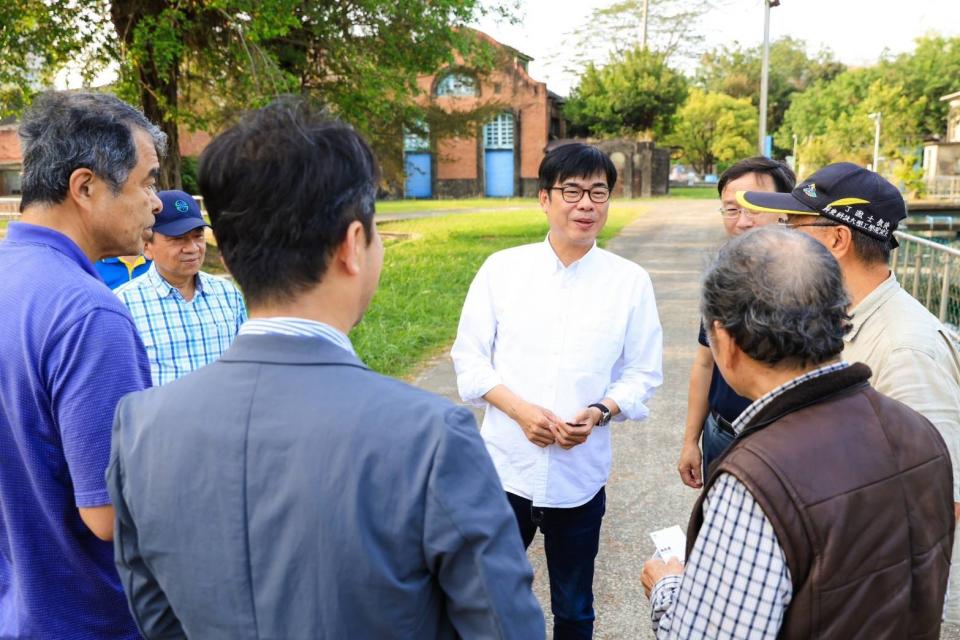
795	163
764	72
876	116
643	22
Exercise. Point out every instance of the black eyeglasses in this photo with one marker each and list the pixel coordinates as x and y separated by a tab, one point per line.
784	223
571	194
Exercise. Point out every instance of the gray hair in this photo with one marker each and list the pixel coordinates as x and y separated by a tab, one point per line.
63	132
780	296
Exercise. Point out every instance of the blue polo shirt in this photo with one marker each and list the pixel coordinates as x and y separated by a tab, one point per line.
722	398
68	353
116	272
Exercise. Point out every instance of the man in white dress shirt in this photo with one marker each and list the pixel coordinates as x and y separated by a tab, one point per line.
556	339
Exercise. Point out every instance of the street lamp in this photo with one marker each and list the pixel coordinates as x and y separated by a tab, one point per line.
876	116
764	71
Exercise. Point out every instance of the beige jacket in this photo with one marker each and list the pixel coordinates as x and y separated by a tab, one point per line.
912	359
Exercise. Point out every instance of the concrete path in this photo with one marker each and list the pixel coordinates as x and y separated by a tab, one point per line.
672	242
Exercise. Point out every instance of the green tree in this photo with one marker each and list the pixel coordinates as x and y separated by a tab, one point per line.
674	28
735	70
714	128
199	62
831	119
636	93
930	71
38	38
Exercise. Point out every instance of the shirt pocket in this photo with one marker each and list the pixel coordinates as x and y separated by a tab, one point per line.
594	339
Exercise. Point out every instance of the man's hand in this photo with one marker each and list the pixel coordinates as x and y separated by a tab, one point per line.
575	432
656	569
539	425
689	465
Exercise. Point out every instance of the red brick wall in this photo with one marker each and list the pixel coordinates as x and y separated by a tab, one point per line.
9	146
511	86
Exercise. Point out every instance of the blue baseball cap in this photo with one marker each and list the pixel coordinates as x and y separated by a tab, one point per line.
842	192
180	214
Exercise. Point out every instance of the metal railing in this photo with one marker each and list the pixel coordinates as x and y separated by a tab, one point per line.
943	188
930	272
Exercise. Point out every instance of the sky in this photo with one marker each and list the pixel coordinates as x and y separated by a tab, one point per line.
857	31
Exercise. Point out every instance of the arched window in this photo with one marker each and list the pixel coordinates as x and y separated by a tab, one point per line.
456	84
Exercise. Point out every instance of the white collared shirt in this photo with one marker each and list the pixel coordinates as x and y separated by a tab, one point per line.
290	326
562	338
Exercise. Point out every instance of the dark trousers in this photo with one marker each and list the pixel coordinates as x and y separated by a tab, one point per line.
571	538
717	436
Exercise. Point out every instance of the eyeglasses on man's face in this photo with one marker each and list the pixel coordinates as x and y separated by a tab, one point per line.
732	213
572	194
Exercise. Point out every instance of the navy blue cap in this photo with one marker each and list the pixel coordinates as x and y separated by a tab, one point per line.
843	192
180	214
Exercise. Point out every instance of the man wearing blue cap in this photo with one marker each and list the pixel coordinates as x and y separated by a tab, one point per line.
186	318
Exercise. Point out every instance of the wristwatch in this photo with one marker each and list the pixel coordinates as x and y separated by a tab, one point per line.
605	414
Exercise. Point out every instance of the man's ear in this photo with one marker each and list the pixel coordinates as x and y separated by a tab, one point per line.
147	248
841	240
350	253
544	199
82	187
725	350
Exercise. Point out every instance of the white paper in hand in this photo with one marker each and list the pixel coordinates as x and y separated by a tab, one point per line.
670	542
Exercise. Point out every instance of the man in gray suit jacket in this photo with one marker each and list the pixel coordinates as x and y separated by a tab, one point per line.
287	491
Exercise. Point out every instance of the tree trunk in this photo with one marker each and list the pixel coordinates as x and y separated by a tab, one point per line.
158	87
153	84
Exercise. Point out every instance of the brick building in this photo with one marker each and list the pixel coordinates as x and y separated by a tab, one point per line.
503	158
191	144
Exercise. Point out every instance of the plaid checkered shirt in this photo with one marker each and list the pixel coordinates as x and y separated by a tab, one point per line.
736	583
182	335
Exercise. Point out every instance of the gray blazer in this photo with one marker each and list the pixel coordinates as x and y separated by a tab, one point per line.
287	491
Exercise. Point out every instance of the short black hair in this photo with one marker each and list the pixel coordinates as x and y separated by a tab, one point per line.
281	187
784	179
868	249
64	131
575	160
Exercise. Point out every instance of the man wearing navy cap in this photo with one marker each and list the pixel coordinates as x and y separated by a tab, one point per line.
854	212
186	318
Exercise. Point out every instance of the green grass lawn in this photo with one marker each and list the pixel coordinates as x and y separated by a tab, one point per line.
427	270
694	193
406	206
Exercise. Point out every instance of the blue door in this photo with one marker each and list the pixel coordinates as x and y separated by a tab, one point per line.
498	156
417	168
498	169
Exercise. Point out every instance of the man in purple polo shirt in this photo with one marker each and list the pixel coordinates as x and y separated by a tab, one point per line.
68	352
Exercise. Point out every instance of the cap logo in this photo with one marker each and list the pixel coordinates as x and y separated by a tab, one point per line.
811	190
181	206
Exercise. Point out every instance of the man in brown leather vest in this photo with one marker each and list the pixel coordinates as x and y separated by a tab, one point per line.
831	515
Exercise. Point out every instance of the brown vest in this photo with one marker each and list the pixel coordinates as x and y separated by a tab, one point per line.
859	490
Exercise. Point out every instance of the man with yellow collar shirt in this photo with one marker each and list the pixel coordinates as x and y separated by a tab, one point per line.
122	269
853	213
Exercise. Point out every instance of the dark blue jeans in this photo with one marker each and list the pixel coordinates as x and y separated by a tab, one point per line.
716	439
571	538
